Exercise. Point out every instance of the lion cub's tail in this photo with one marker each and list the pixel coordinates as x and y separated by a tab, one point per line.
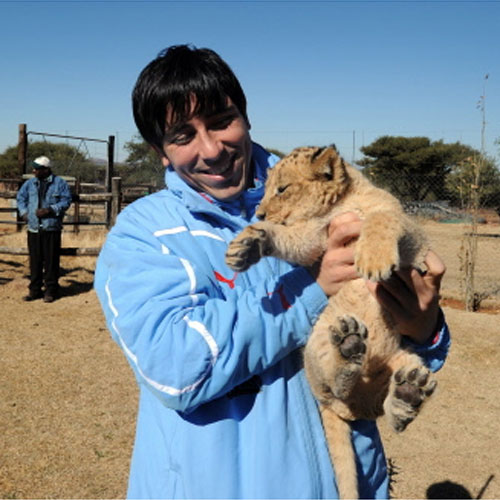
338	436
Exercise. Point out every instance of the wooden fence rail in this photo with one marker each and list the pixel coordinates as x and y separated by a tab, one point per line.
112	203
76	251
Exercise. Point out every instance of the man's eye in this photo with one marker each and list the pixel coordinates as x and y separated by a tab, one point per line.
181	139
222	123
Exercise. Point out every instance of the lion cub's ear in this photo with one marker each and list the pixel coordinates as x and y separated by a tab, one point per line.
327	164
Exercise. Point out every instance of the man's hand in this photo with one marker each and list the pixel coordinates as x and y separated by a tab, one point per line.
413	298
44	212
337	264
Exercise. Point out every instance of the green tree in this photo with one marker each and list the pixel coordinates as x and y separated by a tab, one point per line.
413	168
65	159
143	165
9	168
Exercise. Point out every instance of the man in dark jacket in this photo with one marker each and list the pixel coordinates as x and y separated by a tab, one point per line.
42	202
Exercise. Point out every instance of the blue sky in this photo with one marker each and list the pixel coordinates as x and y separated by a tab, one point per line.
314	72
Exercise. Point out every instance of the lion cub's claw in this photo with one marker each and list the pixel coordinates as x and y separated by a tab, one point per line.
247	249
376	264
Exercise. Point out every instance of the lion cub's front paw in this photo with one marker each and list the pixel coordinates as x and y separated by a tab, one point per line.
247	248
376	260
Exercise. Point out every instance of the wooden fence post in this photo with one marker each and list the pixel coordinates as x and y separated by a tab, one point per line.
116	187
109	175
111	160
22	146
76	206
19	221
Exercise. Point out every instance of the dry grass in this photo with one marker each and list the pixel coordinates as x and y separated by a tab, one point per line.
69	399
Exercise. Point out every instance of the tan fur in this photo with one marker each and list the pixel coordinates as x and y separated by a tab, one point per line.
353	359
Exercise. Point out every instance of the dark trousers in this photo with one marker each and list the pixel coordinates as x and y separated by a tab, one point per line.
45	251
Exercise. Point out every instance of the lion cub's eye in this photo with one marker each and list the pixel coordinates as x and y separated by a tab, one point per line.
282	189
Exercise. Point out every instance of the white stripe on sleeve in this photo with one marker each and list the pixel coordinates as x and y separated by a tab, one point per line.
167	389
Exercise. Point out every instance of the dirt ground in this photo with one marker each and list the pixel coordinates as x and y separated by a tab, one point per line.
68	398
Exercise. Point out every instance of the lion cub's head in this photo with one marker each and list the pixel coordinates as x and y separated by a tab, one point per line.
304	184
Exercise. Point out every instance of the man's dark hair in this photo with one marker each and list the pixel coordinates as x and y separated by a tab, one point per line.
172	79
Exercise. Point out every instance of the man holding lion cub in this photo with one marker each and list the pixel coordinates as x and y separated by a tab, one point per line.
225	410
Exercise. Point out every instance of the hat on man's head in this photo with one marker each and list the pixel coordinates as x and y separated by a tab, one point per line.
41	162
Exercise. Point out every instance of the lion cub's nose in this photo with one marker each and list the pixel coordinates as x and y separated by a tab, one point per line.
260	214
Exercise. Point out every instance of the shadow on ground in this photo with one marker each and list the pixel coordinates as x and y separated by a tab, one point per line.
73	287
449	489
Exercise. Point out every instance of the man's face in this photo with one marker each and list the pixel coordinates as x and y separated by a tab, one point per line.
212	153
41	173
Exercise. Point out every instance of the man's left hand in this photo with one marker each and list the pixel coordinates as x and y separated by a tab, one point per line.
413	298
44	212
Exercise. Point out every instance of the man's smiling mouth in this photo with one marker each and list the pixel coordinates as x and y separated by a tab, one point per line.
224	172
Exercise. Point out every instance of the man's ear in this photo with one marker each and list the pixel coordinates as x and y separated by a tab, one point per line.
163	157
165	161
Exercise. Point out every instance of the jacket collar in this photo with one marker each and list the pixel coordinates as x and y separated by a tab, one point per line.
47	179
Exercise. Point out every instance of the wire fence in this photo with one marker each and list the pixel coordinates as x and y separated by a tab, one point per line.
446	214
78	157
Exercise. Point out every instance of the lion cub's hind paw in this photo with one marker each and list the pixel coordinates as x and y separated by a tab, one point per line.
349	334
413	385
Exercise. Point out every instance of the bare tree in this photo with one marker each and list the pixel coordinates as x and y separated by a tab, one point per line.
469	247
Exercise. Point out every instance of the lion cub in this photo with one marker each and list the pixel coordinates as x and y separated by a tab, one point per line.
354	361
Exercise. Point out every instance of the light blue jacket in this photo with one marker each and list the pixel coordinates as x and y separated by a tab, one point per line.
224	409
57	197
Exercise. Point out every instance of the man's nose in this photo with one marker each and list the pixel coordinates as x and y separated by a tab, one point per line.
210	145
